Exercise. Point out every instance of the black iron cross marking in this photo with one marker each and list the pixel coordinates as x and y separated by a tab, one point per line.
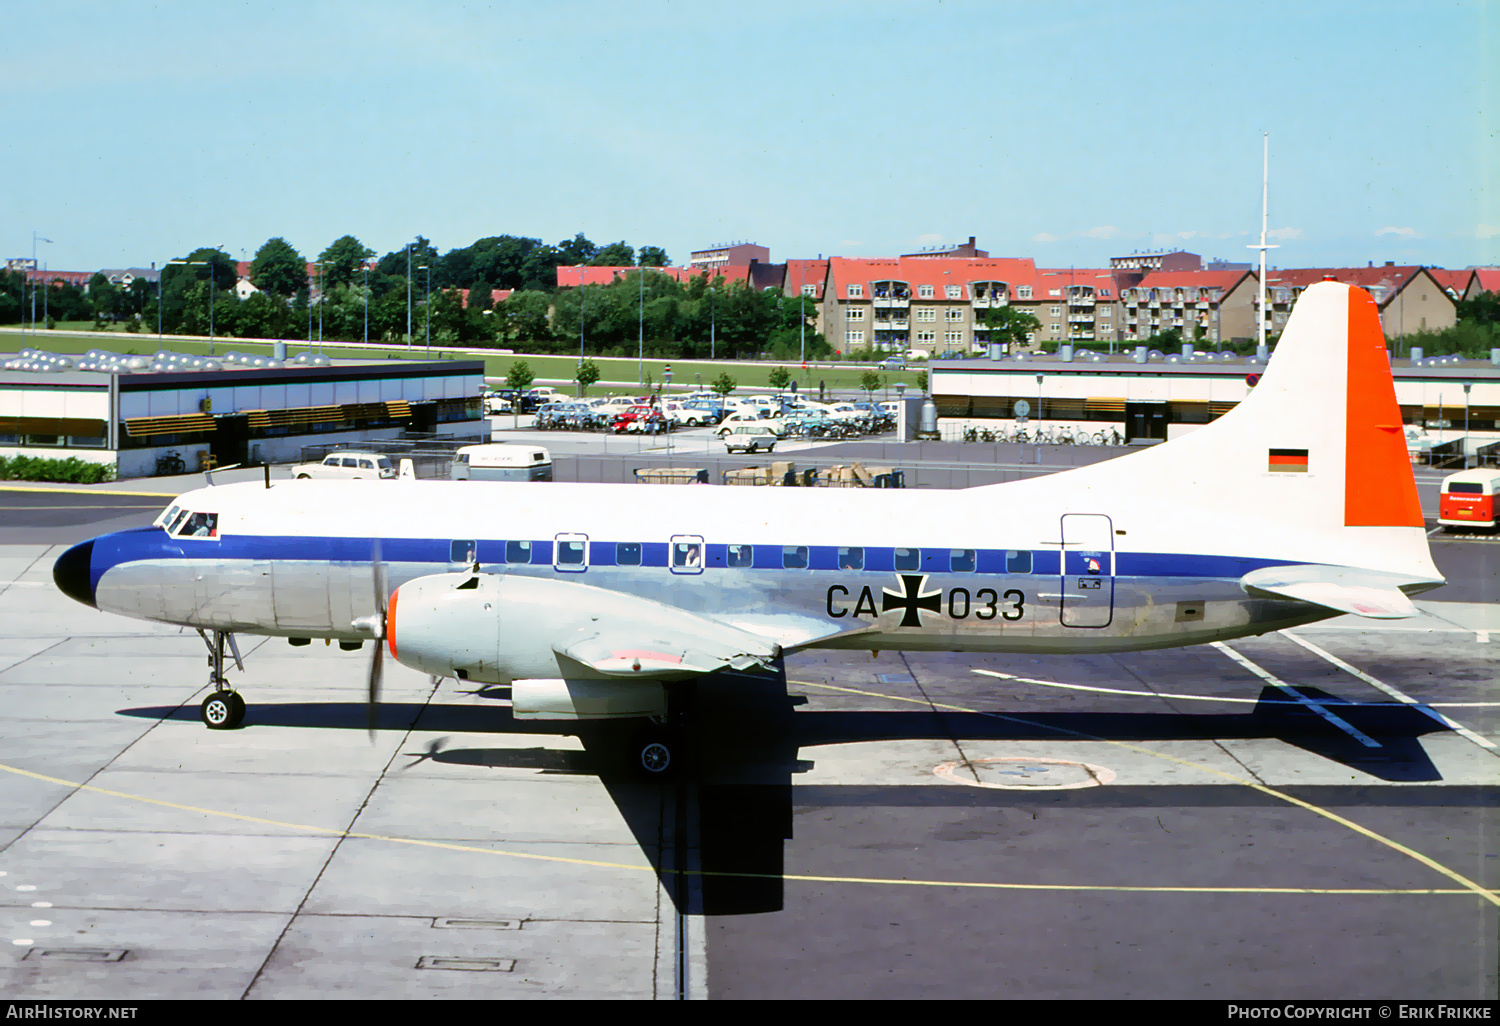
913	599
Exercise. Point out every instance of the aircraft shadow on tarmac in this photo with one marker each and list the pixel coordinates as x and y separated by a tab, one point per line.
747	742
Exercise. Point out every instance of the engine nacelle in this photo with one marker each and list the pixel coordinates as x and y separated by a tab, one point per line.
498	628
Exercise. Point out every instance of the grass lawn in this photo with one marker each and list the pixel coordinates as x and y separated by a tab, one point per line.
547	369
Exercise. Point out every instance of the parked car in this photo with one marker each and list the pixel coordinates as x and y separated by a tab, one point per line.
894	363
749	436
495	403
347	466
775	425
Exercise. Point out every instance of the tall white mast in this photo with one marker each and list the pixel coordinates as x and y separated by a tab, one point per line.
1265	177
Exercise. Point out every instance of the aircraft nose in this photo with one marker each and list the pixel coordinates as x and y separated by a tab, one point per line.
71	573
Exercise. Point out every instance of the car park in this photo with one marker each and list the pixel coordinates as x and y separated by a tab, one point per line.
347	466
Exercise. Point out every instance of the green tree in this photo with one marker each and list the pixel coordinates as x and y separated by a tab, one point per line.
779	378
520	376
1482	309
103	297
278	269
653	256
1010	325
343	261
522	317
724	384
616	254
577	250
870	382
479	295
588	373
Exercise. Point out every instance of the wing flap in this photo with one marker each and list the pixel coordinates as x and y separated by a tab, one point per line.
1368	593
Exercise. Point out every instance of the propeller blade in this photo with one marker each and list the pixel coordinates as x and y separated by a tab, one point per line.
377	656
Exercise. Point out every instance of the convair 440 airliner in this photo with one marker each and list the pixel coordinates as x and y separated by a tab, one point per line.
598	601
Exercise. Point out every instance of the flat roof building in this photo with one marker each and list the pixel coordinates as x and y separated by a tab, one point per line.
132	415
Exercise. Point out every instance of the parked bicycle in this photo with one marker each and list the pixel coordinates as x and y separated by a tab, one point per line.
169	463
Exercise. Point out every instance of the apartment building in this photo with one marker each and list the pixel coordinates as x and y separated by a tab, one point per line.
1409	297
1207	306
1078	305
738	254
932	304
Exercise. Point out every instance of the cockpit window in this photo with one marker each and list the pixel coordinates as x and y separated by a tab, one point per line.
165	520
177	521
199	525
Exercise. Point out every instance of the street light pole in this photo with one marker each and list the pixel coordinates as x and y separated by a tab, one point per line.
427	307
640	359
367	300
1467	385
408	297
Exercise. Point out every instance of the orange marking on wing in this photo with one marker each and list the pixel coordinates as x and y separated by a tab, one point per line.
1379	490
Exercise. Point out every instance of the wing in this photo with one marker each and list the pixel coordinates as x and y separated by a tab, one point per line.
1368	593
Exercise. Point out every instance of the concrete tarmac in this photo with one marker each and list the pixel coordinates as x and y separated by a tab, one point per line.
1163	824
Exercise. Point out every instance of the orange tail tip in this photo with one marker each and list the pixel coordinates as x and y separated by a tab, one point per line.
1375	443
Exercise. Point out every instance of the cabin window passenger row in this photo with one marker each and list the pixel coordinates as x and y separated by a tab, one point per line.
687	554
1018	562
908	559
628	554
570	552
851	559
962	561
794	557
518	552
462	552
740	555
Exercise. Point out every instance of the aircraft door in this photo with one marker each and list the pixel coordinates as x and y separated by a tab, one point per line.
1088	570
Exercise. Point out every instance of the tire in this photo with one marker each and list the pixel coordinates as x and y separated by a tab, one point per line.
222	710
304	477
654	756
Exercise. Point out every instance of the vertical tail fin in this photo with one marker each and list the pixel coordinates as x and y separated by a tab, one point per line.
1311	466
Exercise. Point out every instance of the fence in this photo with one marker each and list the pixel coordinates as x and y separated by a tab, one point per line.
430	455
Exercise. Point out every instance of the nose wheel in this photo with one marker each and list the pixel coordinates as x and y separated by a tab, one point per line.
223	709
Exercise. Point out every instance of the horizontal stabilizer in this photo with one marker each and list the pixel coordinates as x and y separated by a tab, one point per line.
1369	593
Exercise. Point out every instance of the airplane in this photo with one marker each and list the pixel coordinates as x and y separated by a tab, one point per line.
603	601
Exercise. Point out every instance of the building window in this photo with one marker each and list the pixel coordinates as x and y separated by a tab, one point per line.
856	291
924	291
953	337
854	338
855	313
926	336
955	291
809	290
1024	292
1055	311
926	313
954	315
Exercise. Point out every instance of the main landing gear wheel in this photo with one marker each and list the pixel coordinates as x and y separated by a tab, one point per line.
222	710
655	754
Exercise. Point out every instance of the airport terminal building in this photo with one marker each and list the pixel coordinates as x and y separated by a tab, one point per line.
131	411
1158	400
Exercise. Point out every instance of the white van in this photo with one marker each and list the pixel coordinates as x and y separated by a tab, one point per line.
498	461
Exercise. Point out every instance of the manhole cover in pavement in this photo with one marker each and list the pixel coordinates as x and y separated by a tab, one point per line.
1018	773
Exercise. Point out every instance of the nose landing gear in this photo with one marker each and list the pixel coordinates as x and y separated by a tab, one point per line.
223	709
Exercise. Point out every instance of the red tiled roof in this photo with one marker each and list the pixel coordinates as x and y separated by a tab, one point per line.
1225	280
71	277
573	275
1489	278
496	296
1364	277
1100	279
1456	282
805	272
935	271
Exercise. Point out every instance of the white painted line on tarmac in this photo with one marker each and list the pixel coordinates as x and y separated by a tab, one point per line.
1207	698
1399	696
1293	693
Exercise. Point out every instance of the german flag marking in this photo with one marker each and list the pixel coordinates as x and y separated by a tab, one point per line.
1287	461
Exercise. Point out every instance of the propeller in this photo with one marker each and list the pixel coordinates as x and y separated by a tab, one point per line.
376	626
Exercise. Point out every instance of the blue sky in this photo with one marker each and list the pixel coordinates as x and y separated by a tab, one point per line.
1068	132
